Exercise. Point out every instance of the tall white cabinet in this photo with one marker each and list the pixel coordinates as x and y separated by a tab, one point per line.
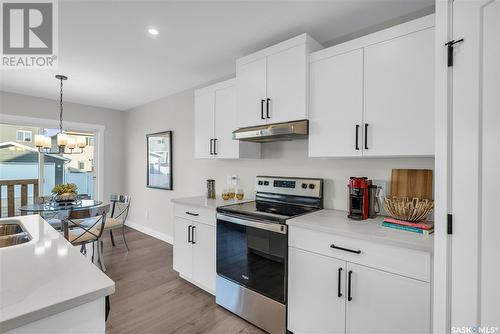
214	122
374	96
272	84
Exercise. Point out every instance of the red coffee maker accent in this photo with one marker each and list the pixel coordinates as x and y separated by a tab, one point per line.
359	205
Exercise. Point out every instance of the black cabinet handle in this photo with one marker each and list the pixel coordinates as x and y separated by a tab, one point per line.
192	214
357	137
267	107
211	152
262	109
192	234
189	233
346	249
349	297
366	136
215	146
339	292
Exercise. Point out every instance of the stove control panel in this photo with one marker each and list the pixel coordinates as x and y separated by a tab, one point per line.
307	187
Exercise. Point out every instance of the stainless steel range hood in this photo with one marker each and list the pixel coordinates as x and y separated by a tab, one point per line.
274	132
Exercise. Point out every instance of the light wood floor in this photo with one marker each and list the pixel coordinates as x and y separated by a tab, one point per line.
151	298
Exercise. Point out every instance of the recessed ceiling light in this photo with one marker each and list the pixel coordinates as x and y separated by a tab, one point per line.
153	31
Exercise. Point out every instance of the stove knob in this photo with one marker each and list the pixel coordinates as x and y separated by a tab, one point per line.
266	183
304	185
260	183
311	186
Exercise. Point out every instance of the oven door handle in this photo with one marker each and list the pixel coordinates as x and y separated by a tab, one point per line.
273	227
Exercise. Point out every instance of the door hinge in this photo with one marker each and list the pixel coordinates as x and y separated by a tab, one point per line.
449	224
449	45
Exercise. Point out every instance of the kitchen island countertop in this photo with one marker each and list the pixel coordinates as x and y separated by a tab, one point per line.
45	276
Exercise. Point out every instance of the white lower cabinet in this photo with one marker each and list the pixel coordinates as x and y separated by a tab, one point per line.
314	305
382	302
194	252
330	295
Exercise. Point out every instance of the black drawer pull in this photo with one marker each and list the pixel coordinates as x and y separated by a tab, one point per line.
192	235
189	233
339	292
357	137
366	136
349	297
192	214
262	109
267	107
346	249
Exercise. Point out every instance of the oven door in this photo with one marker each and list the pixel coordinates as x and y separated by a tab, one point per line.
253	254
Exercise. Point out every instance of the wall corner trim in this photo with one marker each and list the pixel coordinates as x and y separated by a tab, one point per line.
149	231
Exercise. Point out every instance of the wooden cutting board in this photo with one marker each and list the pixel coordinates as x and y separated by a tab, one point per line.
412	183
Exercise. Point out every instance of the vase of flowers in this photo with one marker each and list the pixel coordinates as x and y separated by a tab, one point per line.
65	193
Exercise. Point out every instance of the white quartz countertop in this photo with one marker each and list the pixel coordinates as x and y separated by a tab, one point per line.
45	276
336	222
203	202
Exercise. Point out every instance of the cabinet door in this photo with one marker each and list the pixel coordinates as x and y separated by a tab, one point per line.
287	85
204	255
399	96
183	253
250	91
314	305
386	303
336	106
204	106
225	124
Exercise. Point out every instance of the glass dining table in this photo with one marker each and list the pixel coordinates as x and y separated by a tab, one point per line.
58	211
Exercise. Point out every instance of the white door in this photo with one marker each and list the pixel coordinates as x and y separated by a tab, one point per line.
399	96
382	302
204	255
286	85
316	299
336	106
225	116
183	253
475	264
251	93
204	106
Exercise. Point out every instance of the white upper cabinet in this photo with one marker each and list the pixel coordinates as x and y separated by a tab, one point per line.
204	112
214	123
336	103
251	93
272	84
374	96
399	95
286	85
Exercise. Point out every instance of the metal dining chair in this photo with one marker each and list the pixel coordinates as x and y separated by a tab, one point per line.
84	226
119	214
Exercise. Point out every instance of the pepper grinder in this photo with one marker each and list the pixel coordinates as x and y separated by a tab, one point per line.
211	189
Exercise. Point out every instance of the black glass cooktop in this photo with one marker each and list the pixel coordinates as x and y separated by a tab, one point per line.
278	212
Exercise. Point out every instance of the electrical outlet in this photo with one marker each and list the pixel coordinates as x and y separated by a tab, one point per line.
234	180
383	187
146	214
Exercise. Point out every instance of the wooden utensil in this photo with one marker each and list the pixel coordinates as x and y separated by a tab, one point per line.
411	183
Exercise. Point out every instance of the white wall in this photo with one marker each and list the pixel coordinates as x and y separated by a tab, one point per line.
30	106
280	158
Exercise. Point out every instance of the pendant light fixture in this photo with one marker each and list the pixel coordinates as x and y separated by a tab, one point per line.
44	143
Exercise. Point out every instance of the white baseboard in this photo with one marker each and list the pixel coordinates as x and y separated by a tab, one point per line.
149	231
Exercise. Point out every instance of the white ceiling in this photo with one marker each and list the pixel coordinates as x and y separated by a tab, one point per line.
112	62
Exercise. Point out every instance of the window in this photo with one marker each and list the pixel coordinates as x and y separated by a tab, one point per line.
81	164
89	141
24	136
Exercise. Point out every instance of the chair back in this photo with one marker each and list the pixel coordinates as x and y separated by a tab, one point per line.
121	206
91	220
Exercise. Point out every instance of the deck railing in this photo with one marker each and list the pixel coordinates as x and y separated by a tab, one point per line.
14	202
